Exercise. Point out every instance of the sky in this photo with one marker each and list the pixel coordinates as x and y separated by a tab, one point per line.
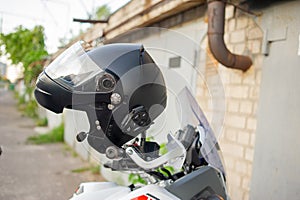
56	16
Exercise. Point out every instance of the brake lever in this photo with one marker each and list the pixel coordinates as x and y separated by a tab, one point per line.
177	152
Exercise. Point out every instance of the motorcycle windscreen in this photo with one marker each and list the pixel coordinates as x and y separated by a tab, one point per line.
76	71
193	114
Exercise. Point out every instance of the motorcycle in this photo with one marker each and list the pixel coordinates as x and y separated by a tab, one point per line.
194	148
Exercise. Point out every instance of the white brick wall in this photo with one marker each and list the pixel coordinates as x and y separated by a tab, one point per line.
235	121
242	35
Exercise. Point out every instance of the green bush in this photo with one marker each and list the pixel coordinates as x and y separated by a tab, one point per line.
56	135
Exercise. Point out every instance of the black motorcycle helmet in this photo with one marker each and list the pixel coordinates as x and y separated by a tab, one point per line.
119	86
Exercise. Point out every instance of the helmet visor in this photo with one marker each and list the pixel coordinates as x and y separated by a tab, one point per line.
76	71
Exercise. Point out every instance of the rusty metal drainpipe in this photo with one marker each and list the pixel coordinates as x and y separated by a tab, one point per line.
216	21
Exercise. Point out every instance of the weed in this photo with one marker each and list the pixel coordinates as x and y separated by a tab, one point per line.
54	136
42	121
72	151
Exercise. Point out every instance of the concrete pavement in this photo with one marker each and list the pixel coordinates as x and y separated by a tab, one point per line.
33	172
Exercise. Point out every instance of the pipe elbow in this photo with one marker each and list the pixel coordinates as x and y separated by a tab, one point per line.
216	17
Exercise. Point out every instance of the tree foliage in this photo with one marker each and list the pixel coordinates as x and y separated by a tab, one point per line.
103	12
27	47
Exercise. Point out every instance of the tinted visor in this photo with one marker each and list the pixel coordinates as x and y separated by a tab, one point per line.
76	71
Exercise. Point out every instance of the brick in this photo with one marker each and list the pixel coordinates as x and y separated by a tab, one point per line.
246	183
251	123
200	81
249	77
254	33
207	93
226	37
254	46
235	190
236	77
258	76
239	91
254	107
243	137
203	100
229	12
227	91
231	25
233	105
230	47
210	106
239	48
237	36
252	140
229	189
249	154
231	135
259	60
249	171
211	72
225	76
208	114
241	167
221	136
235	179
254	92
199	92
233	149
246	196
246	107
229	163
235	121
242	22
237	194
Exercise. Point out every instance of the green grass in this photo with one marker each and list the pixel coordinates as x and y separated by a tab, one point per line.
42	121
95	169
54	136
30	109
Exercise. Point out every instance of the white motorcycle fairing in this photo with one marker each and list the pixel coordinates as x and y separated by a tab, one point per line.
112	191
